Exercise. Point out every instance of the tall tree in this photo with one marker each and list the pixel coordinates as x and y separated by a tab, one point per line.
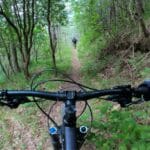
20	15
56	16
139	16
21	18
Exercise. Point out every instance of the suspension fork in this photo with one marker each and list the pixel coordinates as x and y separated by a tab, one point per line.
69	122
69	137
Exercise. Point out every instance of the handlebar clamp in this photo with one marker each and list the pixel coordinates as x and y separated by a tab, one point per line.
11	101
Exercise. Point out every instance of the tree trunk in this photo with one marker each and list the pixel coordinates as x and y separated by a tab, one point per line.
53	49
139	13
7	52
3	69
23	25
144	28
26	67
9	60
51	37
15	59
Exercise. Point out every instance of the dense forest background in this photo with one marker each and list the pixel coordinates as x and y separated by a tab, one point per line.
114	29
113	47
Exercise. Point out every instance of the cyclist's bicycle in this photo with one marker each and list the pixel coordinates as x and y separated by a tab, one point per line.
67	136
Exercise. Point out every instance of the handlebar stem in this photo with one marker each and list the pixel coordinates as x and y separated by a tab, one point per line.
69	118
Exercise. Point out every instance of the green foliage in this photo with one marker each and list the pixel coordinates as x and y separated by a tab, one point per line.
145	72
59	13
27	122
27	22
117	129
99	22
43	60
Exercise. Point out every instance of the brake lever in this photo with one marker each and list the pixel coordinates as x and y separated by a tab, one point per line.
13	102
124	99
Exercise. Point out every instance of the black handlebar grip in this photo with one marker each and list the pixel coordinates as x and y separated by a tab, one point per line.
144	89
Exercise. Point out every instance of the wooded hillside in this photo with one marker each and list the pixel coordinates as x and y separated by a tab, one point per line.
111	29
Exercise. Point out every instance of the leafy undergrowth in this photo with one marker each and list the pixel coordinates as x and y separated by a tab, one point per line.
119	128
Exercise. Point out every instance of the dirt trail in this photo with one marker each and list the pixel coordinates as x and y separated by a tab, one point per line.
75	75
75	72
75	65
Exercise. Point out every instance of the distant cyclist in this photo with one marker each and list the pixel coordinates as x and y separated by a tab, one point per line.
74	41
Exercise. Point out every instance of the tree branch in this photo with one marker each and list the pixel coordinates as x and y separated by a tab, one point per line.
2	13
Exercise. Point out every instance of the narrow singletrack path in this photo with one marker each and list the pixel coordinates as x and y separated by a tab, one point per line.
75	72
76	76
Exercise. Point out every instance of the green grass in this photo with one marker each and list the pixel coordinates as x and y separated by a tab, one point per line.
118	129
64	58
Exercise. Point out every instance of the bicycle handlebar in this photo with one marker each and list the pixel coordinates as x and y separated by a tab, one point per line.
28	93
61	96
124	95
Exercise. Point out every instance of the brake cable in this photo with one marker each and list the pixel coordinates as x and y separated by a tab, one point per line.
55	80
